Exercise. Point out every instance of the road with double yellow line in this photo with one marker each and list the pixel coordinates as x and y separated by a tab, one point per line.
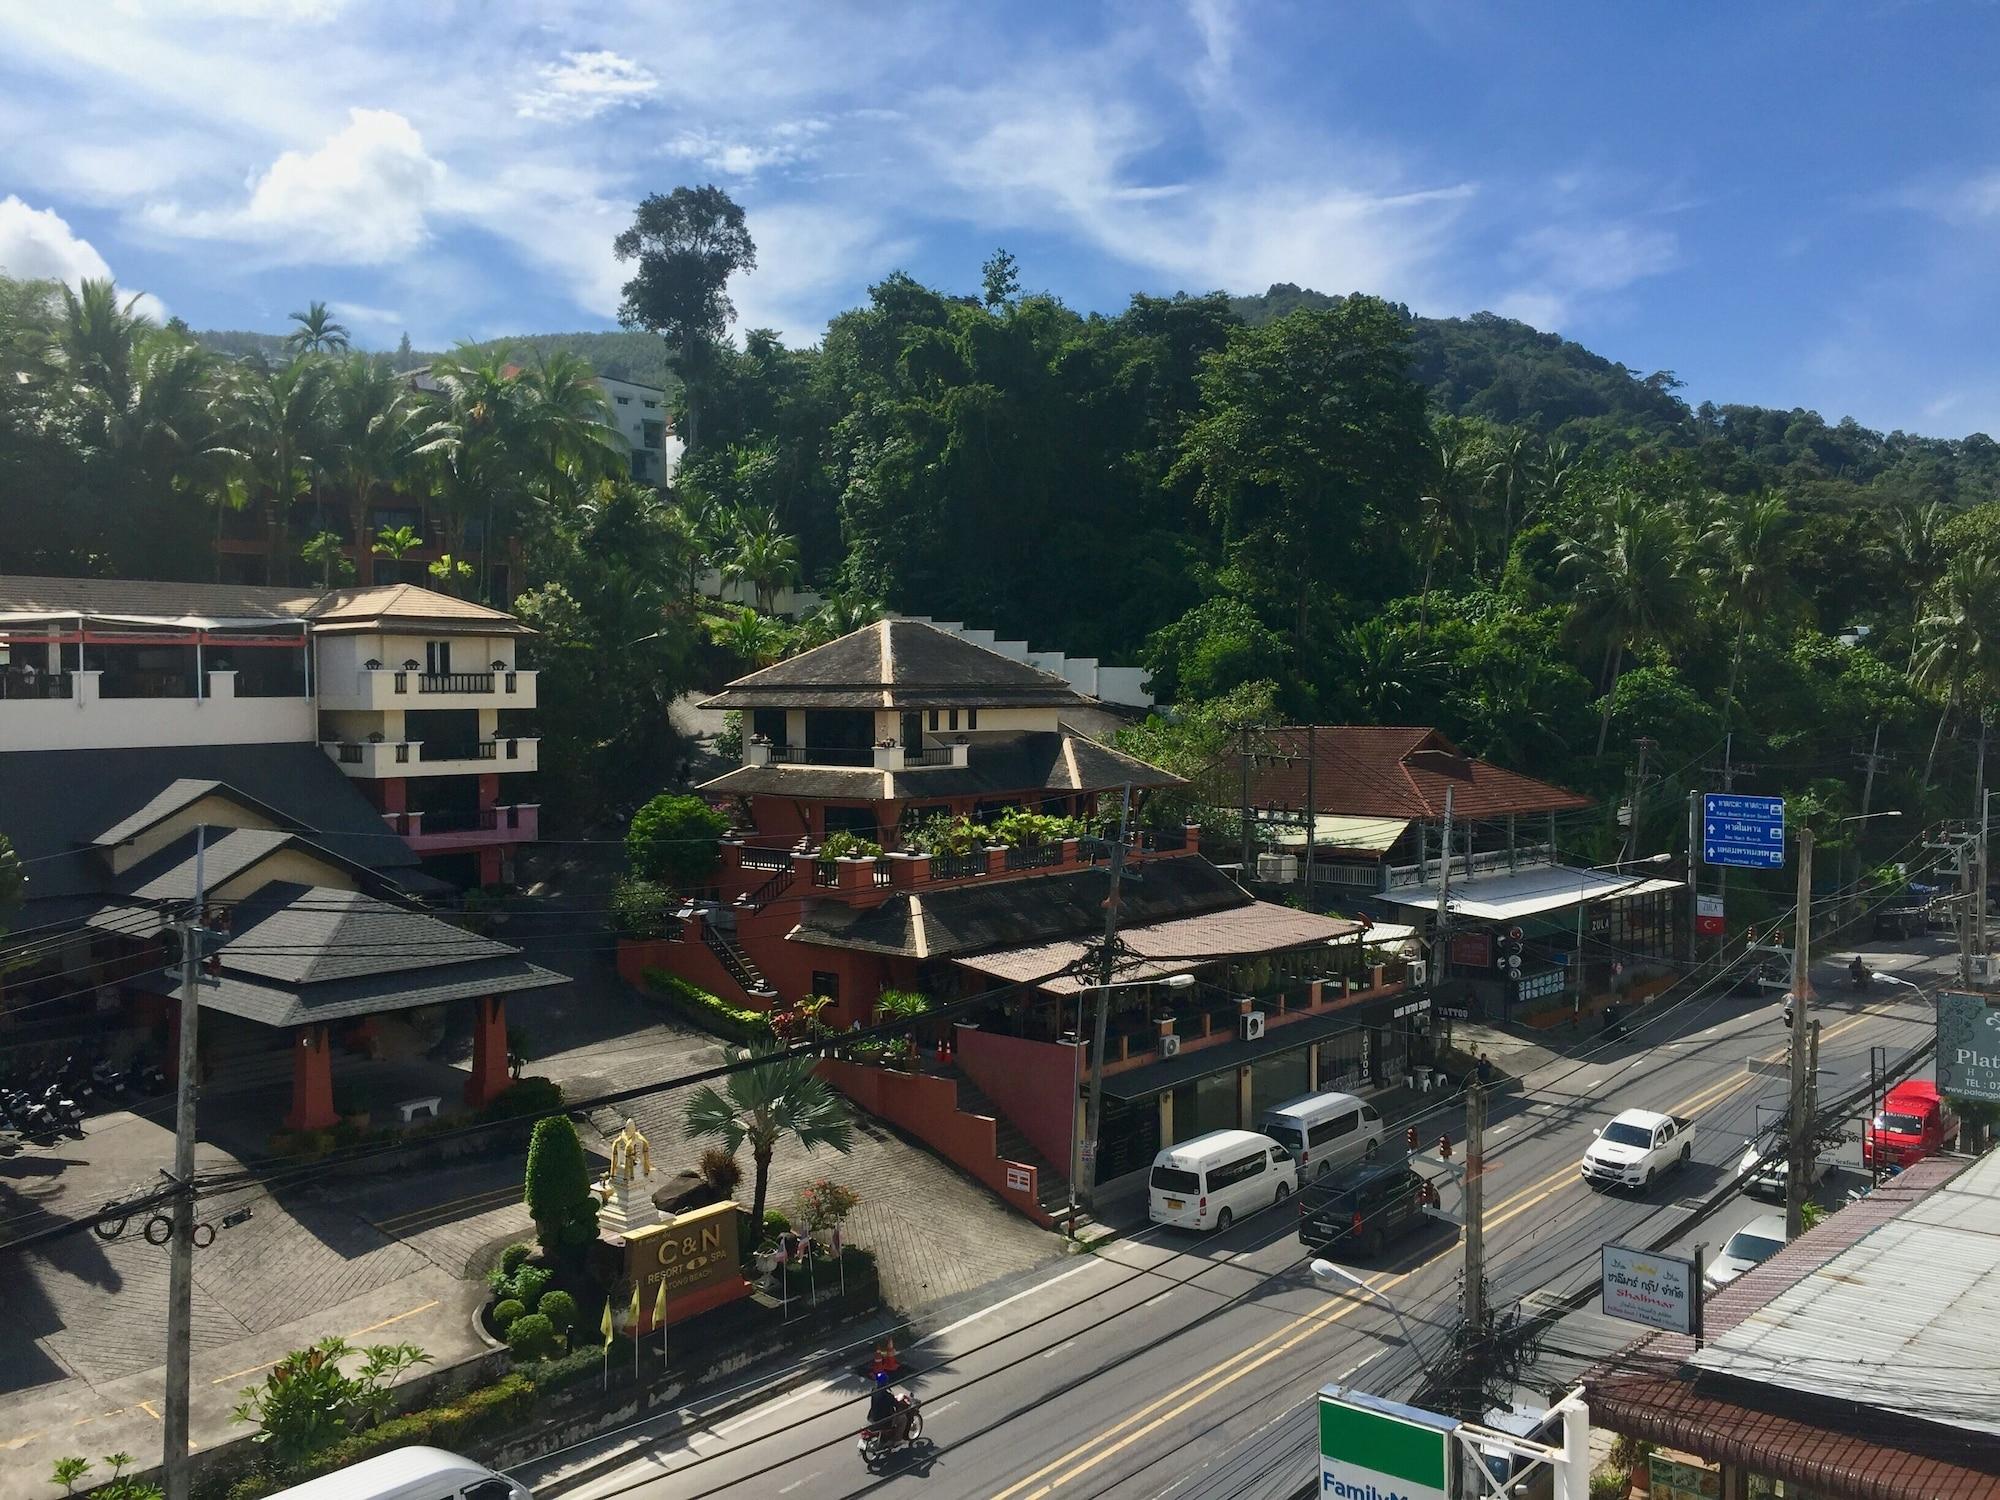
1165	1363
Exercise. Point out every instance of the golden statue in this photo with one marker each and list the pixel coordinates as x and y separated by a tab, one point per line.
631	1154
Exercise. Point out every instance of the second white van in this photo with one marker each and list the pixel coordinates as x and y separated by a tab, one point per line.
1213	1180
1324	1132
414	1473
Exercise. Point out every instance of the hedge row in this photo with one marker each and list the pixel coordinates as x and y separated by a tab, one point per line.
704	1009
482	1412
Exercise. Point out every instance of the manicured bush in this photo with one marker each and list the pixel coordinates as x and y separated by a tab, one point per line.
524	1097
566	1369
708	1011
640	908
505	1313
529	1283
558	1187
532	1337
559	1307
514	1257
479	1413
775	1223
673	841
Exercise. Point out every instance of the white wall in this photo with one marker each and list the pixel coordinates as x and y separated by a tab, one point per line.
88	722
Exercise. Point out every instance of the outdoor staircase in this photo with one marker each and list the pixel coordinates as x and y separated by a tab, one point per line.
769	891
1051	1185
737	963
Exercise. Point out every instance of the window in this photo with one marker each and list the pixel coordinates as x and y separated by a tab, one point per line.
826	984
954	718
1240	1170
1334	1129
934	721
972	718
488	1489
437	658
1174	1180
651	405
624	400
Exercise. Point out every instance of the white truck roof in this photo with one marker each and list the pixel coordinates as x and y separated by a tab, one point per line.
1645	1119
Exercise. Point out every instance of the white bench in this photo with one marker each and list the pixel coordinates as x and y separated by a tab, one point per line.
409	1108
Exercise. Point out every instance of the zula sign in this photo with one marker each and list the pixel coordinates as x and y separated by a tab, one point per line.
1375	1449
1708	916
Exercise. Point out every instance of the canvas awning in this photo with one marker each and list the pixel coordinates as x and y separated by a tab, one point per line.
1333	831
1507	898
1178	946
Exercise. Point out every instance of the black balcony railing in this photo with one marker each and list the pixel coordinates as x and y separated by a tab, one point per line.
510	682
941	756
806	755
958	866
765	859
1034	856
18	684
458	820
350	755
145	684
1163	840
882	875
455	682
459	750
826	873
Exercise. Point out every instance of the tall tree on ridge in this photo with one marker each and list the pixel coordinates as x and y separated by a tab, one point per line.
369	436
1632	583
318	332
687	243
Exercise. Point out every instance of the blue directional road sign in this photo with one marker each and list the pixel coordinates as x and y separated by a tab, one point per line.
1747	832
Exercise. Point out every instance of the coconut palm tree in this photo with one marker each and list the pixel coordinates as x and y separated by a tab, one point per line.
838	614
1958	650
1452	508
479	446
1391	671
1750	543
782	1096
754	639
1632	584
1913	542
277	426
763	557
370	434
1511	476
317	332
97	337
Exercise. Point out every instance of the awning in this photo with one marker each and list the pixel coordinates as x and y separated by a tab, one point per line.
1177	946
1388	935
1289	1036
1333	831
1506	898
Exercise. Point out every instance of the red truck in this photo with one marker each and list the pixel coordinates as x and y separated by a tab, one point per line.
1915	1122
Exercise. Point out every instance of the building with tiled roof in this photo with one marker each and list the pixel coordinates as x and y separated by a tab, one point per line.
872	743
415	695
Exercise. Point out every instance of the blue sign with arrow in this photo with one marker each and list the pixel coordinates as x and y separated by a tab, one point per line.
1747	832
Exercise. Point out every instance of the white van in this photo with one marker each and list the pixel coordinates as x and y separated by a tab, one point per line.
410	1474
1213	1180
1324	1132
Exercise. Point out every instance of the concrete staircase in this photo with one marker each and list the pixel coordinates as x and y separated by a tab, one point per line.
1052	1186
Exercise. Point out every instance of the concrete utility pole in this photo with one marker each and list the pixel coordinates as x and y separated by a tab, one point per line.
1694	867
1631	841
1980	943
1312	814
1094	1115
1243	757
1475	1214
1964	913
180	1264
1872	760
1799	1158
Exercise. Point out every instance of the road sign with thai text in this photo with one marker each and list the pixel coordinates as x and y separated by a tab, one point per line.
1747	832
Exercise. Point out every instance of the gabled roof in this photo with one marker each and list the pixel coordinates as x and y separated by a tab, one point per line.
996	764
227	853
178	795
404	606
1394	771
193	605
899	664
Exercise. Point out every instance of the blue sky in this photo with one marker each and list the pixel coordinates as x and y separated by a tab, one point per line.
1787	204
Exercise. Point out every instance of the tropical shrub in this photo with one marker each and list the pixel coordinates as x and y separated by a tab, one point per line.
529	1283
524	1097
307	1402
559	1307
901	1005
533	1336
706	1010
515	1256
721	1170
845	845
824	1204
558	1188
641	908
672	840
505	1312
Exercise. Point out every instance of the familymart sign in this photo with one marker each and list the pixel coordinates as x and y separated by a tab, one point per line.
1372	1449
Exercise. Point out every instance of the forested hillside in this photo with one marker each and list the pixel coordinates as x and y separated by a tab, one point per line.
639	357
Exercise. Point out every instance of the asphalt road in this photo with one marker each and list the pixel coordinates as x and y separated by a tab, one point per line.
1183	1365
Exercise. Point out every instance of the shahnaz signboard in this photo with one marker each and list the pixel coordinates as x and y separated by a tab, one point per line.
1968	1047
1375	1449
1660	1291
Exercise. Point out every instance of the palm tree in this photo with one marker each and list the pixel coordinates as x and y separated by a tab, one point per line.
1389	670
838	614
395	543
317	332
1632	584
369	434
1451	510
756	640
1959	638
781	1096
763	557
279	421
479	445
97	338
1750	543
1512	476
1914	543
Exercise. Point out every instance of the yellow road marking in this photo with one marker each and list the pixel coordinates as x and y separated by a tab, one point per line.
147	1408
409	1313
1316	1319
17	1442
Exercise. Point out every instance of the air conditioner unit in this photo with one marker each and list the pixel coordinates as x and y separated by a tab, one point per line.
1277	869
1420	971
1251	1025
1170	1046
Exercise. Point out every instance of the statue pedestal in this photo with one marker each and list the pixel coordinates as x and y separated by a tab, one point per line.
628	1205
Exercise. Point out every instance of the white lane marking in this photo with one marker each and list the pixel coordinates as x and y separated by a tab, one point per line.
936	1410
1052	1353
797	1482
1041	1286
1155	1301
778	1405
1354	1369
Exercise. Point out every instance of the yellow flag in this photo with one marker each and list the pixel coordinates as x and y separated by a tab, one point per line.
607	1322
635	1307
660	1305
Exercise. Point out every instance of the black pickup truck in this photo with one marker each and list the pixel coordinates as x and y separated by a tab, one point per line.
1356	1214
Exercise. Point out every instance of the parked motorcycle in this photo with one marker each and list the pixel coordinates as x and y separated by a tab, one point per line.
107	1080
145	1078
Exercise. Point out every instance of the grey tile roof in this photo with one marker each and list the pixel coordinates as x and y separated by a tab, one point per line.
997	764
59	802
899	664
135	596
169	875
183	792
1007	913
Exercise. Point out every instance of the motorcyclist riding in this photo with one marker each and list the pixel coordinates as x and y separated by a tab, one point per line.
1857	972
885	1409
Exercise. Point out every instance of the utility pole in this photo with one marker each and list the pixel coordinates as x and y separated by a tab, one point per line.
1798	1161
1980	944
1475	1218
1965	913
1312	814
1441	935
1872	760
1631	841
180	1263
1243	756
1728	771
1094	1115
1694	867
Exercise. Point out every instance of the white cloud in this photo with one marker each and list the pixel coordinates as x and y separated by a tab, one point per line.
779	145
361	312
1560	267
1968	200
360	199
38	244
586	84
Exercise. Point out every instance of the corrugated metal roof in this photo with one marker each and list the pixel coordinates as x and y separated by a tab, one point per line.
1899	1320
1336	831
1502	898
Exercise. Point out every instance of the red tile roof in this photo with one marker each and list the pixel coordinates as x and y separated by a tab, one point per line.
1393	771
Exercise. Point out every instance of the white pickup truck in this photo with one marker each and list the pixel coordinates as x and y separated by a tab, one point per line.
1636	1147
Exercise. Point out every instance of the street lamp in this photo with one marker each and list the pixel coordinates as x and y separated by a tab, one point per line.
1171	982
1338	1279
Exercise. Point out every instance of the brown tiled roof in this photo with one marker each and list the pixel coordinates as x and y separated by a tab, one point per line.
899	664
998	764
390	605
1394	771
1837	1448
340	610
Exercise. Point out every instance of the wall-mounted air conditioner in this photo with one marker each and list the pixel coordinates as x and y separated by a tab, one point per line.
1250	1025
1420	971
1170	1046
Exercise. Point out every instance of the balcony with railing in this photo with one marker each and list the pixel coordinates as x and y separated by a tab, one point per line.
394	687
749	869
876	757
374	759
446	830
127	709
